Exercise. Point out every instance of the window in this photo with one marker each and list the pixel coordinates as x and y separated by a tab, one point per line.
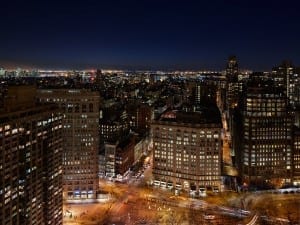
91	107
84	108
77	108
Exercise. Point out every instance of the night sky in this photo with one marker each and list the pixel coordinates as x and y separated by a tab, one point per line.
148	34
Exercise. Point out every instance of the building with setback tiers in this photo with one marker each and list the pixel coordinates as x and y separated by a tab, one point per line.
81	139
30	160
187	150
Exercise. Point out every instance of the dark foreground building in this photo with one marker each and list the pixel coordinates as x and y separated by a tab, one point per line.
263	140
30	160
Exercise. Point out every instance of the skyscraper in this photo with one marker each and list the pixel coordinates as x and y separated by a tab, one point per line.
81	139
232	68
30	160
234	87
205	92
264	152
283	77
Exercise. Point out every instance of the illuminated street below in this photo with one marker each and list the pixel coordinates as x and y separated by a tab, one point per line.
135	202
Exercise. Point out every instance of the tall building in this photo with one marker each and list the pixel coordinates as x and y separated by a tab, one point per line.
205	92
232	68
282	76
264	135
296	156
234	86
3	90
99	80
187	150
2	72
198	93
81	139
288	77
30	160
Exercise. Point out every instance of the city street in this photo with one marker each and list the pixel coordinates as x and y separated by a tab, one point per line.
136	202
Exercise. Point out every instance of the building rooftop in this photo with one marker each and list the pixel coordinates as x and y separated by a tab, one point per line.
204	115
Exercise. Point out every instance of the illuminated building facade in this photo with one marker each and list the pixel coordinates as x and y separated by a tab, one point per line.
114	129
30	160
198	93
264	154
234	87
187	150
81	139
113	124
282	76
119	156
287	76
296	157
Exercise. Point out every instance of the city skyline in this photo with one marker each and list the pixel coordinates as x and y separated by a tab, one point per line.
140	147
148	35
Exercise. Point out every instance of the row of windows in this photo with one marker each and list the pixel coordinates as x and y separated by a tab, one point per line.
215	177
187	137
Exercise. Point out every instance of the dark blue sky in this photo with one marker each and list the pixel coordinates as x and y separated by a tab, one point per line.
149	34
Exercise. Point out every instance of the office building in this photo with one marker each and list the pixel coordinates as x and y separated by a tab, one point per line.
205	92
233	86
30	160
296	156
187	150
263	139
282	75
81	139
113	124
